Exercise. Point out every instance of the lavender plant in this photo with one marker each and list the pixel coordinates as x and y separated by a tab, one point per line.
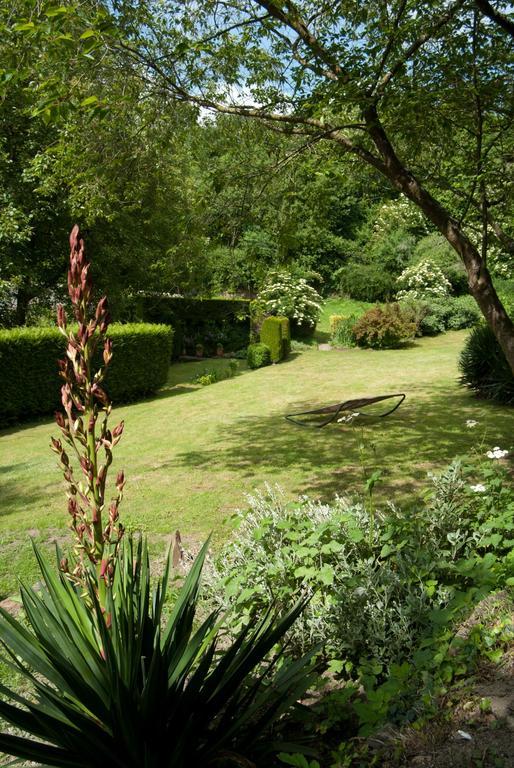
85	429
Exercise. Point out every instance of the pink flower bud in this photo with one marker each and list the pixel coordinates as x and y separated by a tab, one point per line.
61	317
120	480
118	430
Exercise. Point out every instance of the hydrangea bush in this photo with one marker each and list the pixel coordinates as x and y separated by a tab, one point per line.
292	297
424	280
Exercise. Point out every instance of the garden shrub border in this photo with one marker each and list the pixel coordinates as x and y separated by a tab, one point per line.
29	378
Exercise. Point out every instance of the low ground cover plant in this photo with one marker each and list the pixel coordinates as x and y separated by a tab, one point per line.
386	587
384	327
109	680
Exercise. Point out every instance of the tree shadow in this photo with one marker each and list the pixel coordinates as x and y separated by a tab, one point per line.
422	433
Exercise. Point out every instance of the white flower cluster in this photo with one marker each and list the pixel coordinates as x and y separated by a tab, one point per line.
497	453
471	423
478	488
292	297
421	281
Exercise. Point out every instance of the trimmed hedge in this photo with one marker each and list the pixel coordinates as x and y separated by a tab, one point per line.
286	335
29	379
208	322
259	355
271	335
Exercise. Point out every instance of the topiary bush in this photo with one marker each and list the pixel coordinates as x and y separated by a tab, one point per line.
271	336
387	327
258	355
484	368
29	378
286	336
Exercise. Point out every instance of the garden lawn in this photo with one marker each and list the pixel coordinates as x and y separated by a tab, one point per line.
192	453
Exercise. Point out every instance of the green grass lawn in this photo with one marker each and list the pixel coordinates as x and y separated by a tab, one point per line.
191	454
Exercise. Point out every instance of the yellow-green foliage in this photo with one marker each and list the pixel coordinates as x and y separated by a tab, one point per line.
29	380
341	330
258	355
286	335
271	335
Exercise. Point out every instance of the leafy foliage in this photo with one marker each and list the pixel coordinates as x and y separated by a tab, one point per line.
483	367
386	327
385	587
285	295
258	355
365	282
436	315
143	691
424	280
341	330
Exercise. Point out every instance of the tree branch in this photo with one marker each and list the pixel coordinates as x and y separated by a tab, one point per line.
495	16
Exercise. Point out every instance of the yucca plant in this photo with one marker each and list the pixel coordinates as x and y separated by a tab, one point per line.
141	693
112	683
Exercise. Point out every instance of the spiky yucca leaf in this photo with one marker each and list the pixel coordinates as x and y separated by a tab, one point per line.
138	693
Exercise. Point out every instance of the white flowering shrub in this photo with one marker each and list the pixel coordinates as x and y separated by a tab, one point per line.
291	297
422	281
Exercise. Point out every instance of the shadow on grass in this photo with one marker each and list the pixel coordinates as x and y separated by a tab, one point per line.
422	433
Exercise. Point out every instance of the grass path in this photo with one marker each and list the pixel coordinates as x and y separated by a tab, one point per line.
191	454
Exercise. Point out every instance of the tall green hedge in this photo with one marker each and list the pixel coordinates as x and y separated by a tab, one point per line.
29	380
208	322
286	335
271	335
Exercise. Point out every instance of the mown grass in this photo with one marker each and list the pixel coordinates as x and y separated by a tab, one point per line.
192	453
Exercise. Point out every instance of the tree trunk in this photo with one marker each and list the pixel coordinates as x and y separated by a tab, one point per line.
479	279
23	297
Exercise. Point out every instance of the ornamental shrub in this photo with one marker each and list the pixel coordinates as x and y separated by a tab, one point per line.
386	327
421	281
341	330
484	368
435	316
286	296
271	336
258	355
29	379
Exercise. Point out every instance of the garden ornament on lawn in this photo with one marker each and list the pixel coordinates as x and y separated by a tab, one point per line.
320	417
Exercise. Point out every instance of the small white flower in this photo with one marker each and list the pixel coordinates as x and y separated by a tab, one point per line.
470	423
478	488
496	453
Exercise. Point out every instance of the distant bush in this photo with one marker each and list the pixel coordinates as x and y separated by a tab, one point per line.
433	316
421	281
258	355
29	379
386	327
271	336
341	330
365	282
484	367
436	249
